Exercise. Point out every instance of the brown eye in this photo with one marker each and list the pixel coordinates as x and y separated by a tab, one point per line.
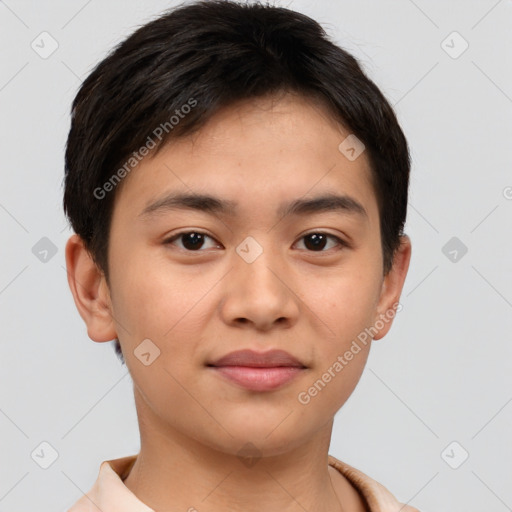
317	241
190	240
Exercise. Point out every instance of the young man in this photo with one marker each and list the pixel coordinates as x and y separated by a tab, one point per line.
238	190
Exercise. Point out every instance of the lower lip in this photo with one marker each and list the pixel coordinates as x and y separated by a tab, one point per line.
259	379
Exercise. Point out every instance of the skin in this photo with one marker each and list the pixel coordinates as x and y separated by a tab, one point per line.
197	306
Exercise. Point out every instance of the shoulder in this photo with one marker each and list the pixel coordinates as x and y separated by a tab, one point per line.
378	498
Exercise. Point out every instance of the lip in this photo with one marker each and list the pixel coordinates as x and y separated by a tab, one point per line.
253	359
258	371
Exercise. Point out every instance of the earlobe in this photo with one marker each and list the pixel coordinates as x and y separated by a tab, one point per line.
90	291
392	288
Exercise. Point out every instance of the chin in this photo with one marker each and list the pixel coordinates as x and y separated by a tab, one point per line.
271	436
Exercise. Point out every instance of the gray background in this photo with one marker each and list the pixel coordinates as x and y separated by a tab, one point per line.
442	374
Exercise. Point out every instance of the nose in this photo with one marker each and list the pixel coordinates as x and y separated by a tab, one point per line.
260	294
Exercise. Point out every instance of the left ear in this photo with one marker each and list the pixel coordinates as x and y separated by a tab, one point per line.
392	288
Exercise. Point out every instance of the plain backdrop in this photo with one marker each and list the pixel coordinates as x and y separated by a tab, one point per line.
431	417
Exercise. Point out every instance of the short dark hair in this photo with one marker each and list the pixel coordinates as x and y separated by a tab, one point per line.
207	55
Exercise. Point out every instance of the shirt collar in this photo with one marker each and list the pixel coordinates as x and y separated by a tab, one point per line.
110	494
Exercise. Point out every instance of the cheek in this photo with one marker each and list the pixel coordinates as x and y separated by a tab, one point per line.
346	305
328	390
152	299
345	302
340	357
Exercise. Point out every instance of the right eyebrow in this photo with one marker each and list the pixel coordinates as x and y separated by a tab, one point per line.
200	202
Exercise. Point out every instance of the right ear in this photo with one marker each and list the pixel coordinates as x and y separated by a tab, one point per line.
90	291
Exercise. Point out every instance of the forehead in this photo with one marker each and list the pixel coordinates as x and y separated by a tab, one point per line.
266	150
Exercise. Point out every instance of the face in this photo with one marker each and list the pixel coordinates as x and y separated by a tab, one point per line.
201	279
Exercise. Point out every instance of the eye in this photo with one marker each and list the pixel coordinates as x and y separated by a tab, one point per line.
317	241
191	240
195	240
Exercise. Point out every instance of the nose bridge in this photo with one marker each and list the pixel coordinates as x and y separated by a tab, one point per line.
258	292
257	263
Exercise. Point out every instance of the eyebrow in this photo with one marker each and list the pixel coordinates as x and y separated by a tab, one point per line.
214	205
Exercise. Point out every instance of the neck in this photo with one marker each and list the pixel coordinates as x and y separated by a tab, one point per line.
176	472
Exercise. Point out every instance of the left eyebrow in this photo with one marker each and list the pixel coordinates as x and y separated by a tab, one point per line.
325	203
214	205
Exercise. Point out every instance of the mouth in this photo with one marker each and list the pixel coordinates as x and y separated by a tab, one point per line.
258	371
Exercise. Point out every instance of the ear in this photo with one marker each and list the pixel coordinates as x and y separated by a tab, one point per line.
90	291
392	288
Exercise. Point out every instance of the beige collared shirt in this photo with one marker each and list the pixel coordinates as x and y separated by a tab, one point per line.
109	494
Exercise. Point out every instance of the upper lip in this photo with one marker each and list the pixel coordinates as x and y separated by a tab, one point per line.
251	358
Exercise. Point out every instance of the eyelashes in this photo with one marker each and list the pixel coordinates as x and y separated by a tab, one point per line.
196	240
